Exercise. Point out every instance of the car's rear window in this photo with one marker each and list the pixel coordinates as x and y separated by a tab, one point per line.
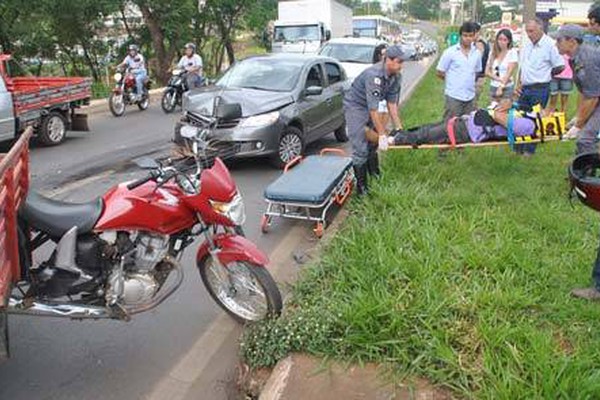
347	52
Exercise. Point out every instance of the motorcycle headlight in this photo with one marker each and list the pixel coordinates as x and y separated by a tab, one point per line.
176	72
234	210
260	120
117	77
189	131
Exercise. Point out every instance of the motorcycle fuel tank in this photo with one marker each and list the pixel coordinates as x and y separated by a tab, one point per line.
145	208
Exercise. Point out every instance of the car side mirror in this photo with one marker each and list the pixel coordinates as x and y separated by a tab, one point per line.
313	91
327	35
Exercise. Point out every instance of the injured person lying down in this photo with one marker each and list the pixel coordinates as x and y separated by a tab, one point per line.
476	127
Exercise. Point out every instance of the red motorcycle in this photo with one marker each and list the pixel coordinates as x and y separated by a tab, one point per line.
118	255
124	93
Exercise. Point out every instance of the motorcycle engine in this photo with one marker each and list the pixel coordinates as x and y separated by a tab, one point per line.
140	279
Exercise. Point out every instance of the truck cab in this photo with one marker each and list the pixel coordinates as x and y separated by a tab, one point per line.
299	37
7	118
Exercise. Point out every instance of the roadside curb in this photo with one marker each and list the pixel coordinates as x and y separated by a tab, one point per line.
99	105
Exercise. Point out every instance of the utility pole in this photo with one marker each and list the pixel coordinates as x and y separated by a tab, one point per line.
528	10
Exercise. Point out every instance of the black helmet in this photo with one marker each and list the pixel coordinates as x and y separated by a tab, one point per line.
584	174
191	46
134	47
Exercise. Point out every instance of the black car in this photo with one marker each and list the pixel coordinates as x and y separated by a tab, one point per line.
287	101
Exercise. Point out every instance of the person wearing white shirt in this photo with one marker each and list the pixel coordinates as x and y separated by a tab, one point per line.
137	65
539	61
501	66
192	64
458	67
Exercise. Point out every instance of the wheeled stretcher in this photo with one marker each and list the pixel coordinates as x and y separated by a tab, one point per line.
308	188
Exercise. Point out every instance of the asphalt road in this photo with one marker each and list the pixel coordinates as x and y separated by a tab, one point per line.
63	359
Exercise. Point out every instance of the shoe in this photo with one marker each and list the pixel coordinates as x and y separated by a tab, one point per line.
373	165
586	293
360	172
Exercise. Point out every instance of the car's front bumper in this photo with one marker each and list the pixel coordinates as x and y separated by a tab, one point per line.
242	142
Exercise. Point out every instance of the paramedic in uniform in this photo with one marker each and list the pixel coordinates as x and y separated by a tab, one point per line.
379	82
585	62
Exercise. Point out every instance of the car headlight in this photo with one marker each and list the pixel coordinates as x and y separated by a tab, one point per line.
117	77
256	121
234	210
189	131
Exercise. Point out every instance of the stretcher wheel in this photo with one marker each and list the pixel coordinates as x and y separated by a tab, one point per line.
319	229
265	222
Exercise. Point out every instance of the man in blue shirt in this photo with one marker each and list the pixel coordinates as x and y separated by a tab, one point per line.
458	67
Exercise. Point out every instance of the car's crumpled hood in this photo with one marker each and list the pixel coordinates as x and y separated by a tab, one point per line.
253	101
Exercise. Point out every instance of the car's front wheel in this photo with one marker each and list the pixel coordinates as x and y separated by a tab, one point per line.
289	147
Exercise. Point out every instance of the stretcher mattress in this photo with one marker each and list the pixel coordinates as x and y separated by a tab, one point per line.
309	182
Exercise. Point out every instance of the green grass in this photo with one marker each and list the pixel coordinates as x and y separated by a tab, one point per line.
456	268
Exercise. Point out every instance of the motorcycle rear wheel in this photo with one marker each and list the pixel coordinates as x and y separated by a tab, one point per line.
144	103
249	294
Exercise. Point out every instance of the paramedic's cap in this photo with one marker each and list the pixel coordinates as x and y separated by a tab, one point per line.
396	52
570	31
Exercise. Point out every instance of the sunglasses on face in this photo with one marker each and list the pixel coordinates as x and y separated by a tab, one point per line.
497	69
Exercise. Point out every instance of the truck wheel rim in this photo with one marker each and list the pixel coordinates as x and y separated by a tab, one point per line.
56	129
290	147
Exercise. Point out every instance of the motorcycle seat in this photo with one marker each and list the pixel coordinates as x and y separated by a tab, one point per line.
56	217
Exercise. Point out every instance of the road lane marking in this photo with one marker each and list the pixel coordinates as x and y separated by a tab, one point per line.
177	382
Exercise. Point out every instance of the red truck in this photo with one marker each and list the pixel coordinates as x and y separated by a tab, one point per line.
47	104
14	182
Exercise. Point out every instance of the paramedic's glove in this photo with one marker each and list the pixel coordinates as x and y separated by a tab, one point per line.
573	133
383	143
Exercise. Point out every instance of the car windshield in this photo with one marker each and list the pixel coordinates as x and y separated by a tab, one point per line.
296	33
346	52
263	74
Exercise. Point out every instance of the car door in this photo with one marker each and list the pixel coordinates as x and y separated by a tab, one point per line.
7	120
313	107
334	95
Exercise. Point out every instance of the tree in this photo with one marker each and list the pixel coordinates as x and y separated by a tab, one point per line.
423	9
491	14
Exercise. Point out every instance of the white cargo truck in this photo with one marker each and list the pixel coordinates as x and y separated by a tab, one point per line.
304	25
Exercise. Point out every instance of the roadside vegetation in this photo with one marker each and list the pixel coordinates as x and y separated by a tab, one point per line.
456	268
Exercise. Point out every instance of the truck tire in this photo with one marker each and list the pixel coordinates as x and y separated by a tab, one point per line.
4	345
53	130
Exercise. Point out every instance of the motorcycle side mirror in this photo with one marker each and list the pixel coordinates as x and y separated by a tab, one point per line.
146	163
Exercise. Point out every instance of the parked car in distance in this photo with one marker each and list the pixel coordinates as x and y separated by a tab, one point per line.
355	54
287	101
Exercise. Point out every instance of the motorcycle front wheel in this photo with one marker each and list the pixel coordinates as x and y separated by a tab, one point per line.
116	103
169	101
245	291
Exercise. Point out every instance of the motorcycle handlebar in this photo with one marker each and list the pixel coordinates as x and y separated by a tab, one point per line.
165	176
141	181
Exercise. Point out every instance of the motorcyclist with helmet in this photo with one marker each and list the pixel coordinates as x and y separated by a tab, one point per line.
191	62
137	65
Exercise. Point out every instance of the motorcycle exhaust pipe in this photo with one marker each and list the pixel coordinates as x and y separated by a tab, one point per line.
65	310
